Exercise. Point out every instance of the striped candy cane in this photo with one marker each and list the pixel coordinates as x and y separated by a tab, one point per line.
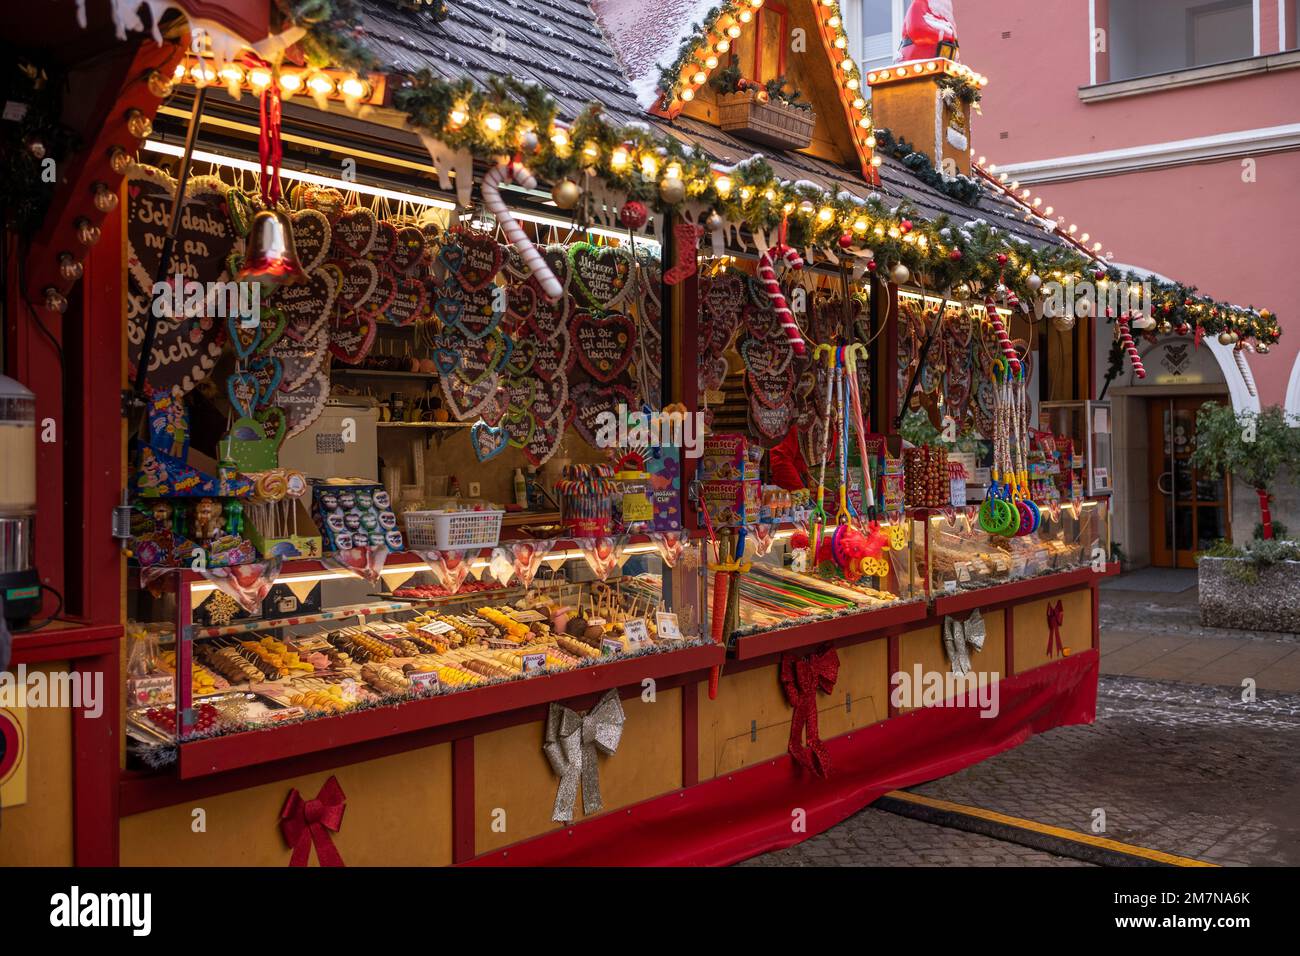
1126	340
1004	340
767	275
520	176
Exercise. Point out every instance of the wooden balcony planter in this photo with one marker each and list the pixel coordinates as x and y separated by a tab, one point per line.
769	122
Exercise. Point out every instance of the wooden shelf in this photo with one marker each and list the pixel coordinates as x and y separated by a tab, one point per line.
1012	591
813	633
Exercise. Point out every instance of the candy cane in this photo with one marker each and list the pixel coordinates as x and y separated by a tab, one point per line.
1004	340
1126	340
767	274
518	174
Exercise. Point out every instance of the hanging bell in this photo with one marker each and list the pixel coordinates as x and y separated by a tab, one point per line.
271	258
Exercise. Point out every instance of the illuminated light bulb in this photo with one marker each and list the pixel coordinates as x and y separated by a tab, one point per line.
1073	229
860	225
674	171
649	166
827	3
105	199
1085	237
688	94
494	122
745	16
851	83
825	214
1015	184
755	3
980	161
723	46
699	77
353	88
871	78
179	72
1096	247
746	193
984	81
723	185
770	195
733	31
871	142
917	68
788	208
159	85
590	151
876	160
921	241
841	43
320	85
138	125
846	64
859	103
931	66
865	122
710	61
880	231
1002	177
806	207
620	157
910	237
1038	201
69	268
560	138
259	79
290	82
457	118
895	232
202	74
1048	211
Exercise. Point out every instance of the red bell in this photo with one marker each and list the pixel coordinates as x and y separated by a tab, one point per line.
271	258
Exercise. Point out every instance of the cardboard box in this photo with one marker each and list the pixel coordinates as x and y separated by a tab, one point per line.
305	544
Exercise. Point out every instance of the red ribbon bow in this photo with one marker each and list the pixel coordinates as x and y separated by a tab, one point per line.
801	679
1055	618
308	823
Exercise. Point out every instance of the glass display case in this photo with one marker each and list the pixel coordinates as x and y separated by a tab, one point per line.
420	631
1083	430
953	553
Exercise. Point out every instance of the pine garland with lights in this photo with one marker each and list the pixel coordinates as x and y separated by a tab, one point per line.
962	89
964	189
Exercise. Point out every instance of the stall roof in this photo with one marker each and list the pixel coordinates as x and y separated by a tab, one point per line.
559	45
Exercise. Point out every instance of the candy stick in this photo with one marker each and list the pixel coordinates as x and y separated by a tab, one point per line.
518	174
767	275
1004	340
1126	340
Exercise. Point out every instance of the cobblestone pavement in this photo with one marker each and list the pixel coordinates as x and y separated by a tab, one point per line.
1183	768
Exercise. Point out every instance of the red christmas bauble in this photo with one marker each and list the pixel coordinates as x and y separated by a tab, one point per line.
955	255
905	225
846	240
633	214
1002	258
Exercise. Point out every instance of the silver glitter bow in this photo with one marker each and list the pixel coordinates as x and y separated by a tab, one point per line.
572	744
959	637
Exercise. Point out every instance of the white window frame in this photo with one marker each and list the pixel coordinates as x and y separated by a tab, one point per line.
1256	31
853	20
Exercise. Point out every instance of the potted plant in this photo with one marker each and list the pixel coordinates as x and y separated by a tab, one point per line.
1250	447
765	113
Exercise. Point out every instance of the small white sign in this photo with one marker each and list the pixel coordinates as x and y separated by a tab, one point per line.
635	631
669	629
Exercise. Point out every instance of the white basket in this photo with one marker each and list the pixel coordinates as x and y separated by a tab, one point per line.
452	530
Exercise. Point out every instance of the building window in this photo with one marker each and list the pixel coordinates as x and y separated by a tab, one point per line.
1159	36
1291	26
875	26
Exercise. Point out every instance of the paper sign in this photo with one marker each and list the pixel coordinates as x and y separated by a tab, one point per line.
635	631
963	572
950	586
424	682
669	629
434	628
534	662
609	646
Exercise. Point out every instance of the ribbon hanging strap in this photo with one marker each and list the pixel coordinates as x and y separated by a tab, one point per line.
572	746
801	679
308	823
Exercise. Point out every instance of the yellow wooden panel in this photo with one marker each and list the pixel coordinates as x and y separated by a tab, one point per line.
398	814
750	720
39	833
924	646
514	786
1031	628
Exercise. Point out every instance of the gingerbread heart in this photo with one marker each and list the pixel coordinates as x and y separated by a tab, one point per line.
268	372
522	357
551	354
409	301
353	233
592	404
601	274
300	360
473	312
518	425
311	237
465	399
767	356
351	336
408	250
385	241
308	305
473	258
487	441
360	281
545	441
494	409
602	345
242	389
304	404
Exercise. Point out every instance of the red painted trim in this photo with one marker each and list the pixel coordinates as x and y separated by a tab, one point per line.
220	754
1015	591
60	643
807	635
95	768
741	814
462	799
690	734
1009	639
889	362
184	658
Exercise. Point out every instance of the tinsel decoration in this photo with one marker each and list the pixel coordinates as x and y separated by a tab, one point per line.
572	746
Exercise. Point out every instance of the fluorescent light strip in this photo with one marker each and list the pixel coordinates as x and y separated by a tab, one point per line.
204	156
937	299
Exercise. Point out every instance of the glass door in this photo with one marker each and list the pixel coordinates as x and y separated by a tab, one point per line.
1189	510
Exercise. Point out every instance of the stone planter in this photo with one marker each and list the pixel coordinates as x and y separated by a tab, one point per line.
1240	594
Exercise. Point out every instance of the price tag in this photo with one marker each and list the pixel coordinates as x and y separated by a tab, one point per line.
963	572
669	629
610	646
950	586
434	628
1017	565
635	631
1000	565
528	617
533	663
424	682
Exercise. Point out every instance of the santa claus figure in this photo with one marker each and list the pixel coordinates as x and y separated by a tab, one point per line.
929	30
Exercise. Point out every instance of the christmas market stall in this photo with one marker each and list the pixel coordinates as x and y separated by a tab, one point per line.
513	415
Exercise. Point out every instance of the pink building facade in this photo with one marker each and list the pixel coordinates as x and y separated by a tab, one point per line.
1169	131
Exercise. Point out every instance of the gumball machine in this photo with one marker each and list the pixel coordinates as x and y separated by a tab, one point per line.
20	586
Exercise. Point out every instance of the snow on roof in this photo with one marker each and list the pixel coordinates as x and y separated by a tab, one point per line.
647	36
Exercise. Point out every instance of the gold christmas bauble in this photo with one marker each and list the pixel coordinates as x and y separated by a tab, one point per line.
1227	337
1165	327
901	274
1261	348
159	85
566	194
1063	323
672	190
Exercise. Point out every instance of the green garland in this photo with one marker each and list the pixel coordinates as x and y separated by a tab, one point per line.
27	143
966	91
964	189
